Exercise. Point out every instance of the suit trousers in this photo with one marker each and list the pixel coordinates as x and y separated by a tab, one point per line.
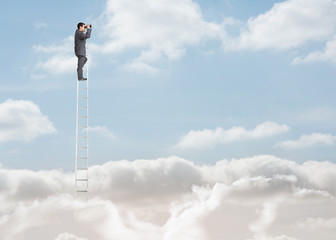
81	62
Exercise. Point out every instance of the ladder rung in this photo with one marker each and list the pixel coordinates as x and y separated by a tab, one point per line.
83	158
83	97
82	88
82	180
81	191
83	127
83	107
82	169
83	136
83	147
83	116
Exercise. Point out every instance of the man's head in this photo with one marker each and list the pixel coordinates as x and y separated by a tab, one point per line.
81	26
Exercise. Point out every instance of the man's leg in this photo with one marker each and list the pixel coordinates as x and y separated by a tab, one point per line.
81	61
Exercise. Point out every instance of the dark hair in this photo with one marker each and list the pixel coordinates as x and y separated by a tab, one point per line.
80	25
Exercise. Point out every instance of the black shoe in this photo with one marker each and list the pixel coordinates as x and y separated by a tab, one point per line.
83	79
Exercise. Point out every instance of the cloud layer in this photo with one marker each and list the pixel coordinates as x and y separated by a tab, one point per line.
262	197
22	120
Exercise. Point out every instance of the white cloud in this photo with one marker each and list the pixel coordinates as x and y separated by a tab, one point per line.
208	138
315	139
58	64
102	131
176	23
173	199
22	120
328	55
156	30
62	58
287	25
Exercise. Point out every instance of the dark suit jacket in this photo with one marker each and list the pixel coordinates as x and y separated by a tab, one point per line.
80	40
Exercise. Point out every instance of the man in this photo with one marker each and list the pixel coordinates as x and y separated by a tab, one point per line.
80	49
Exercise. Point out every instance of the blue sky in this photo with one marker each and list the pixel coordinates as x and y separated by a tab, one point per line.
161	73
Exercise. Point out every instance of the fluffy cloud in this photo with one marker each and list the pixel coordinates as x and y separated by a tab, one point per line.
208	138
315	139
22	120
287	25
262	197
177	24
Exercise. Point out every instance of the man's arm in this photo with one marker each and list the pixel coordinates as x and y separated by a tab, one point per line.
86	35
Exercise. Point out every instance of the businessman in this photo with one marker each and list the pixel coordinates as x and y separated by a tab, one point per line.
80	49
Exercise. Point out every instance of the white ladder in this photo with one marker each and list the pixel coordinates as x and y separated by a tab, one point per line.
82	139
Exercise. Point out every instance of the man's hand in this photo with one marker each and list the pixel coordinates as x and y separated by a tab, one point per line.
88	26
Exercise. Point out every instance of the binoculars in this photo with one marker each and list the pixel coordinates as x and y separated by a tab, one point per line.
90	26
